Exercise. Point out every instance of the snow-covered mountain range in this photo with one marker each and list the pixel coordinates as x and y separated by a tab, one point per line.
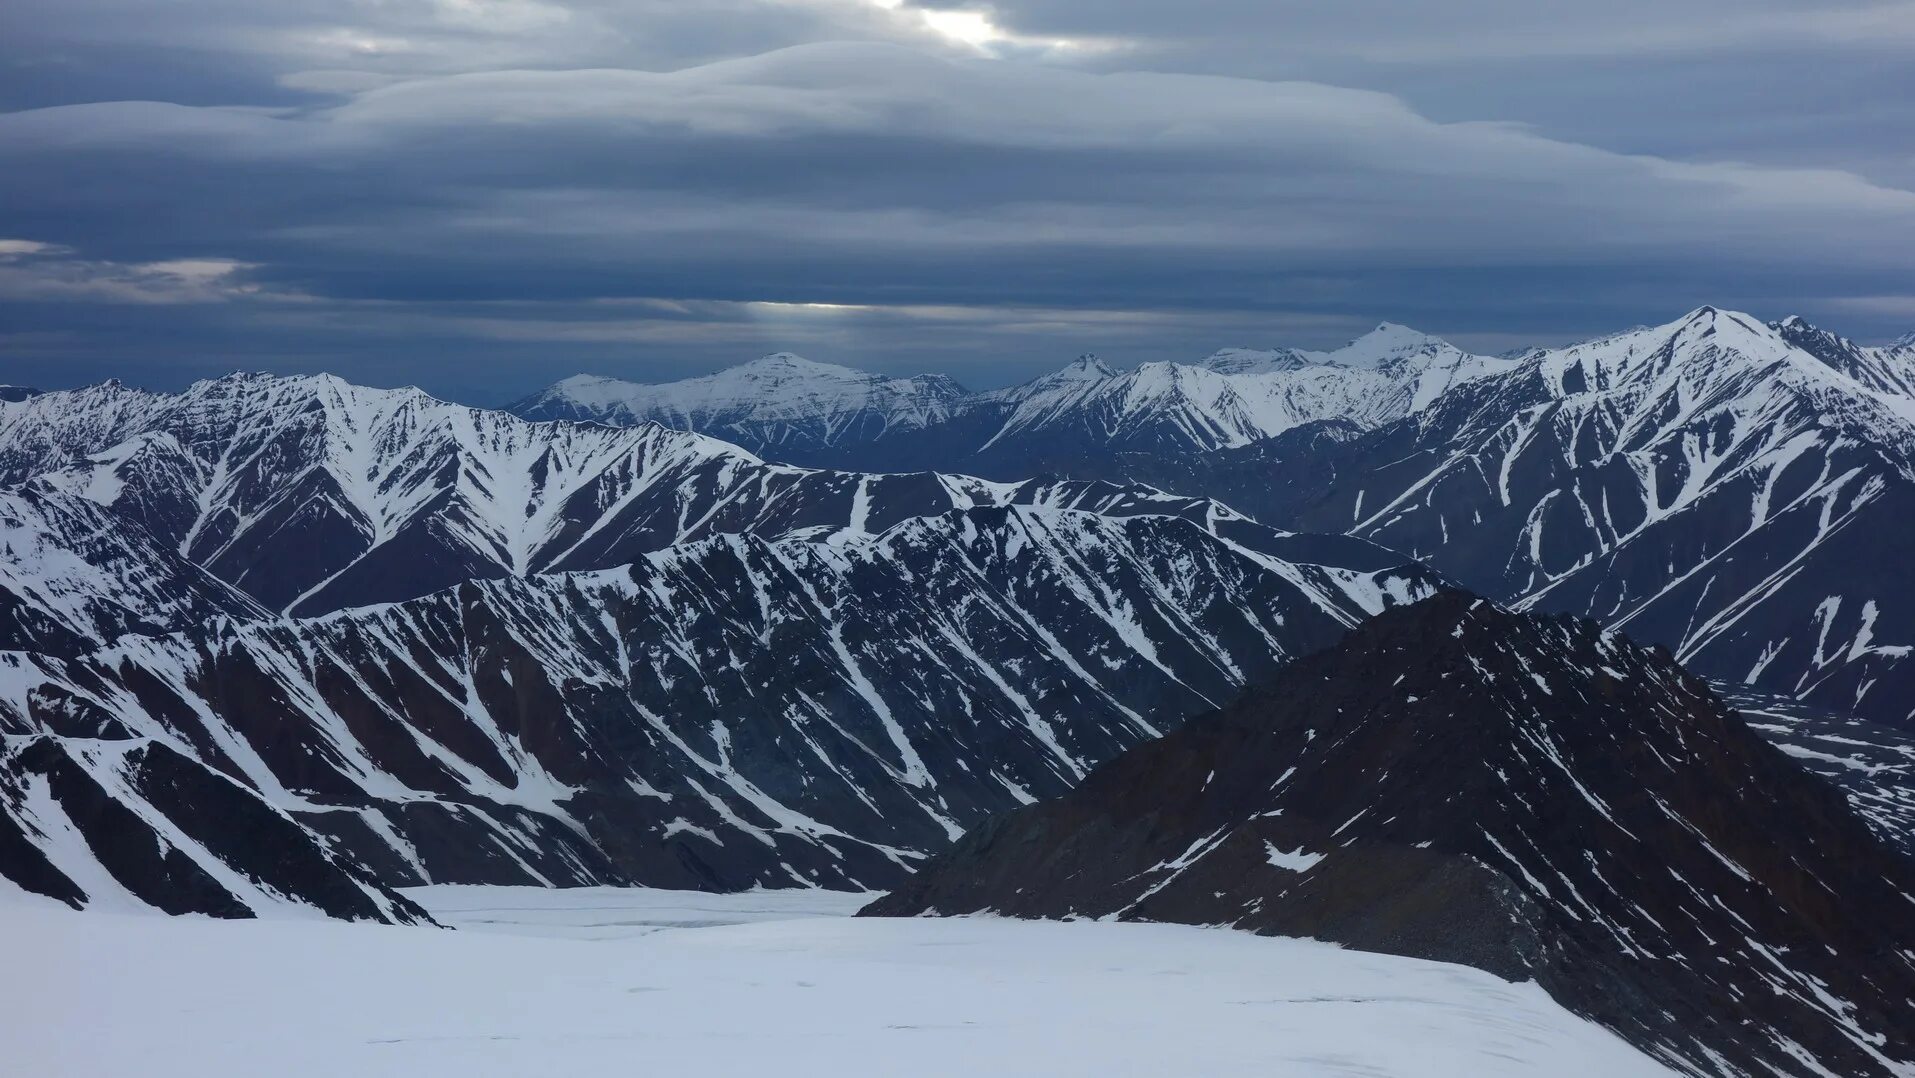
1533	796
782	405
287	645
820	709
813	413
1735	490
310	494
1730	488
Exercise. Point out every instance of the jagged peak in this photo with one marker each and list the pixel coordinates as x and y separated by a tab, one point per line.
1088	365
1797	328
1716	317
1388	341
1726	349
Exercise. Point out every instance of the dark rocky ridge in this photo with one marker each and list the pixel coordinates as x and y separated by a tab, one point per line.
91	820
1527	795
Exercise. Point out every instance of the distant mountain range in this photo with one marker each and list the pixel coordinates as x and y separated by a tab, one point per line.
793	409
1735	490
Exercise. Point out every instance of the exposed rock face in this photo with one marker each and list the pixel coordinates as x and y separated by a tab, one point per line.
1528	795
119	821
822	709
1872	763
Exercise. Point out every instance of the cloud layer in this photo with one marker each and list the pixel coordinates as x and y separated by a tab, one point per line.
478	195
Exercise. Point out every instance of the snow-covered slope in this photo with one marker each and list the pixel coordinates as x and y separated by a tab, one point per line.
1889	371
820	709
776	405
97	818
74	576
828	997
1236	397
311	494
1532	796
803	412
1730	489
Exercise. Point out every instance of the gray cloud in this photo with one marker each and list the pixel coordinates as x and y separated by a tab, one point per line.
499	193
1823	82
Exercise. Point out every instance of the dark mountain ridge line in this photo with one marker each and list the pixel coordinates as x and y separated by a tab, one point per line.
1524	794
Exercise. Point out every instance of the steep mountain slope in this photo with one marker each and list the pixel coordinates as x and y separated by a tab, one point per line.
782	406
1234	399
73	576
1086	419
1889	370
1873	764
95	818
311	494
1532	796
821	709
1709	484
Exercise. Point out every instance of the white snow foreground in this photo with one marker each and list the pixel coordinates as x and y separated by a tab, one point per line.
809	995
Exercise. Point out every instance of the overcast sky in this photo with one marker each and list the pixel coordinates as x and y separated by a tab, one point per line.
481	196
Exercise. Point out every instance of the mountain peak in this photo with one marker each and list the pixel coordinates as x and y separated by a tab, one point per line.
1906	340
1388	341
1394	333
781	359
791	363
1711	318
1529	795
1087	366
